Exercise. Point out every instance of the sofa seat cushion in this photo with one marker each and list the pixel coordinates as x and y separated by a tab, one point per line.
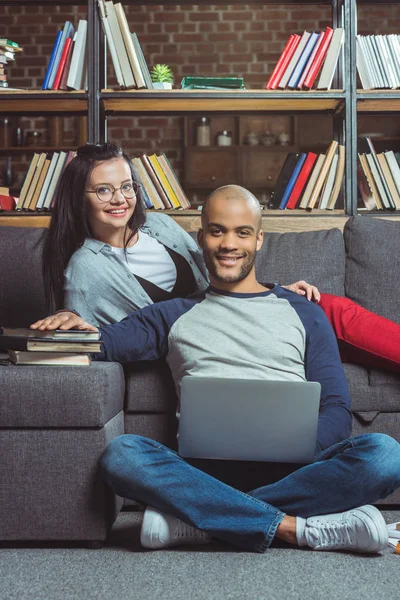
373	265
369	395
315	256
150	388
364	337
60	397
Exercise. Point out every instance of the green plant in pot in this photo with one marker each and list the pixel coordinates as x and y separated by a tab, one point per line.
162	77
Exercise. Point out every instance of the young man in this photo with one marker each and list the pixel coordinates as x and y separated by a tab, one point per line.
239	325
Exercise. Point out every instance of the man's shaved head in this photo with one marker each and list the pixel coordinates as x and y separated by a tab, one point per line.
232	193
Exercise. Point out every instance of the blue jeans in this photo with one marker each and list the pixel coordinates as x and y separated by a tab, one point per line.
357	471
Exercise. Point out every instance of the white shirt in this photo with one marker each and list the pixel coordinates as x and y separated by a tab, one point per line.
150	260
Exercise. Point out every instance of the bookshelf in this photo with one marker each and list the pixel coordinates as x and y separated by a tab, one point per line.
342	104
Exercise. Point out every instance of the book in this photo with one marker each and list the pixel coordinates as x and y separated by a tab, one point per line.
62	63
319	59
293	62
111	43
142	61
67	67
68	31
236	83
365	165
394	168
54	181
7	202
148	184
282	180
77	70
332	57
27	181
162	178
39	185
311	59
173	180
322	175
29	344
362	67
293	178
380	178
35	179
143	189
46	183
283	61
301	180
81	335
328	185
129	46
311	182
127	74
155	181
18	357
378	181
365	189
339	176
389	179
51	61
301	63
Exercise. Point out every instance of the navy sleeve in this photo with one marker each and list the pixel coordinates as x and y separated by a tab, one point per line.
142	335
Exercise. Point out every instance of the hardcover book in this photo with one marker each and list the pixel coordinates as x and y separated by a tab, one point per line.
283	180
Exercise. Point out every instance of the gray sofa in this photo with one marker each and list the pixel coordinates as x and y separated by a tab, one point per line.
55	422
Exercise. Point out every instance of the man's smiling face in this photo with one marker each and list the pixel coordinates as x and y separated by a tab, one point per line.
230	237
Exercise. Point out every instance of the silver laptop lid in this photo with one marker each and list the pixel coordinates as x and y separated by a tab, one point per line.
241	419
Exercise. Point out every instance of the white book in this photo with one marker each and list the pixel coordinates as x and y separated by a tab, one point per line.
47	180
394	168
111	44
330	180
75	77
387	58
130	49
332	57
54	180
127	73
378	181
381	63
292	64
369	62
390	39
312	180
362	67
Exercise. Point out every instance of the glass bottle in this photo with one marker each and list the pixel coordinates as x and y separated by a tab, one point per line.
203	133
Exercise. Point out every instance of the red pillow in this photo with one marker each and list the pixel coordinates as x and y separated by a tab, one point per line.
364	337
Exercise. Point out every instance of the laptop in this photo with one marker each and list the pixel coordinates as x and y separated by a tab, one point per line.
253	420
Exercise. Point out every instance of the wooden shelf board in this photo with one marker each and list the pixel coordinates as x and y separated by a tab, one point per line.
32	149
378	101
36	101
185	101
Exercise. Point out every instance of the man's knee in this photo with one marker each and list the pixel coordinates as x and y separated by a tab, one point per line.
384	454
121	453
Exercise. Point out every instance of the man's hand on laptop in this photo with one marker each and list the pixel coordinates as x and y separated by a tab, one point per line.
305	289
63	320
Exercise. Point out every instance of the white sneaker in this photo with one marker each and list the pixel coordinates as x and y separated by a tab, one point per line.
362	529
160	530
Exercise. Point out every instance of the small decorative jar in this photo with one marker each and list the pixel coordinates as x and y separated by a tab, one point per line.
268	138
251	139
203	133
224	138
283	139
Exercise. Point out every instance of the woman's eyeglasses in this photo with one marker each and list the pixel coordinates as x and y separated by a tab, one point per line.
105	192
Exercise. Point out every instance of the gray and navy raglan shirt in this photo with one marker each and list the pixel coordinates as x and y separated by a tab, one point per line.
275	335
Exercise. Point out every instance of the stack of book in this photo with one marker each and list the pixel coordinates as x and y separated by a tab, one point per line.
40	185
213	83
378	61
305	57
378	178
160	186
394	536
67	68
127	56
34	347
8	49
308	180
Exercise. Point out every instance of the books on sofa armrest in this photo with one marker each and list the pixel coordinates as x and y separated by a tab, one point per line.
83	335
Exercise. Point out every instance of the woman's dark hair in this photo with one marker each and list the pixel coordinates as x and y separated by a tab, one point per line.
69	226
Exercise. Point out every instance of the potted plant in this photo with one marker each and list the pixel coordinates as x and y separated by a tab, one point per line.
162	77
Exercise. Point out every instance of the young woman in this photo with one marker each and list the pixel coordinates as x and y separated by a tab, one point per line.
104	256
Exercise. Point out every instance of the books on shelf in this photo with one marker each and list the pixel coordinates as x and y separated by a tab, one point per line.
68	61
18	357
191	82
378	179
308	180
378	61
159	182
305	57
126	53
8	49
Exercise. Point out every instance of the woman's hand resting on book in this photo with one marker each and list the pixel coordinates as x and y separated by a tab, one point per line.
63	320
304	289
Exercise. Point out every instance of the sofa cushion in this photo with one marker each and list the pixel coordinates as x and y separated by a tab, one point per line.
22	298
372	390
149	388
364	337
60	397
315	256
373	265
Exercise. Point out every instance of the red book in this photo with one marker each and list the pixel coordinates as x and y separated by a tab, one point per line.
270	81
61	64
284	61
319	59
310	60
301	180
65	73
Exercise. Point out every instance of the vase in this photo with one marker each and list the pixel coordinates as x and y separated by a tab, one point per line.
162	85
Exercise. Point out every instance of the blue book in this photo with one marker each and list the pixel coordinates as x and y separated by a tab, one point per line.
303	59
51	61
68	31
292	180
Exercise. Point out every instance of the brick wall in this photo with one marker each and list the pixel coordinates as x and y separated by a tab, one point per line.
243	40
